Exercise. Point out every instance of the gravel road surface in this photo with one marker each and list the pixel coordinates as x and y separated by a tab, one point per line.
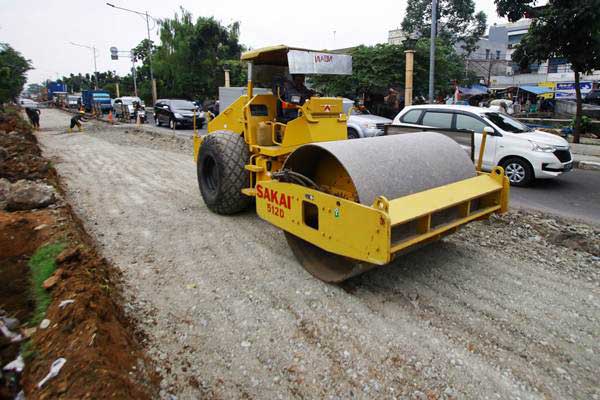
498	311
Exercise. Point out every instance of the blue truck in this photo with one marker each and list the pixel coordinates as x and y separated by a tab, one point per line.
55	87
100	97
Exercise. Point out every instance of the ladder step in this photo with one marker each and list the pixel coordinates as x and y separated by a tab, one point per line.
254	168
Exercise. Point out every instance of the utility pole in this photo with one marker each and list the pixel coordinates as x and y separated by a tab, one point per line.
147	16
432	49
93	48
154	95
133	74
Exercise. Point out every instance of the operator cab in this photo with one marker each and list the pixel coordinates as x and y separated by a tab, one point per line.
278	112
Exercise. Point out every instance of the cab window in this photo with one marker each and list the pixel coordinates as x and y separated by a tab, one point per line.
438	119
411	117
469	123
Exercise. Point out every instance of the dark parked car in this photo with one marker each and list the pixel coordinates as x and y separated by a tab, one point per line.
593	97
177	113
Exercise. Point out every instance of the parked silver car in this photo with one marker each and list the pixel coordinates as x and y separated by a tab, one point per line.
362	124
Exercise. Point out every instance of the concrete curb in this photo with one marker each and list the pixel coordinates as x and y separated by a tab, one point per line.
589	165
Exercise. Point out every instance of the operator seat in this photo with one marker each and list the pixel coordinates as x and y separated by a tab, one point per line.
285	111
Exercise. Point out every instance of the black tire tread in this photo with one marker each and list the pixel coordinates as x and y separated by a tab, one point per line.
233	155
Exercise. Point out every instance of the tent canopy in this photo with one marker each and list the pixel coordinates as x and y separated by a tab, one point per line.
537	90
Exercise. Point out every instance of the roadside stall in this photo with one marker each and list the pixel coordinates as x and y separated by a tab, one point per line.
534	99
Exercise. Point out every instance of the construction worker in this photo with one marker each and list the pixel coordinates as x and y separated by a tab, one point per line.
294	94
77	120
34	117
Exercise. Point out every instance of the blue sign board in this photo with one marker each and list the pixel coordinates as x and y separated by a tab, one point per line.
566	90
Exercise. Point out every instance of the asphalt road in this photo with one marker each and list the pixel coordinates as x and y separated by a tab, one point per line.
574	195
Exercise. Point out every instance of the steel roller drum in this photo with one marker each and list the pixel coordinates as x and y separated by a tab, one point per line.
362	169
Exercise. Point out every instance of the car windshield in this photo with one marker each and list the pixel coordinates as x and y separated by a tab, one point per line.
507	123
130	100
182	104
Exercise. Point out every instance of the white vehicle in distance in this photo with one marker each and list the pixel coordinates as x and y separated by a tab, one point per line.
28	103
524	153
125	104
362	124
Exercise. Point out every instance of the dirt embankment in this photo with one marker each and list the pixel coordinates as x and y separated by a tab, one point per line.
91	332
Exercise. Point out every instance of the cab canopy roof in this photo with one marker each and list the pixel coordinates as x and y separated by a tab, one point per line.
301	61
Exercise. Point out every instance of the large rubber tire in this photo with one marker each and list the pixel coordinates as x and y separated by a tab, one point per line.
156	120
519	171
221	173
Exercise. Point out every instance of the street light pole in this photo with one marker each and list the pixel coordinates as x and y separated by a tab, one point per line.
154	95
147	16
432	49
93	48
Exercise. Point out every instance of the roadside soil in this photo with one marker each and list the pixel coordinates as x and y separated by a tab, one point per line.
104	357
507	308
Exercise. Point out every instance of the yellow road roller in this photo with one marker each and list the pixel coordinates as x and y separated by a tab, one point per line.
346	206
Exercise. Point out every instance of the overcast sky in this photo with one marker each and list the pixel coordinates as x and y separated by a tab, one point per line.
42	29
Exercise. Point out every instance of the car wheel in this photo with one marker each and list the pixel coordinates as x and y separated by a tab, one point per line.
518	171
353	134
156	120
172	124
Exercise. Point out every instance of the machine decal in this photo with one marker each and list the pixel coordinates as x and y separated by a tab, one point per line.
323	58
273	196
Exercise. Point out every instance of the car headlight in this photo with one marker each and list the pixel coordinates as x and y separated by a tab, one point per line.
545	148
369	125
178	116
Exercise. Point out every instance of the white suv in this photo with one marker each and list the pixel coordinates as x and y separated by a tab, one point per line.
525	154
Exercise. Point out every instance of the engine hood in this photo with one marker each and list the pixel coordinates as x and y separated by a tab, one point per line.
369	118
543	138
184	111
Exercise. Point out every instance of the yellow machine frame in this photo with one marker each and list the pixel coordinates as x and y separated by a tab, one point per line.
388	227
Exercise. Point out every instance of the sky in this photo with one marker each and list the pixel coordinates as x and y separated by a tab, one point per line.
43	29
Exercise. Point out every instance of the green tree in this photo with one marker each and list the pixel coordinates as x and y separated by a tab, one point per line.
562	28
457	21
35	89
190	59
377	68
13	70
